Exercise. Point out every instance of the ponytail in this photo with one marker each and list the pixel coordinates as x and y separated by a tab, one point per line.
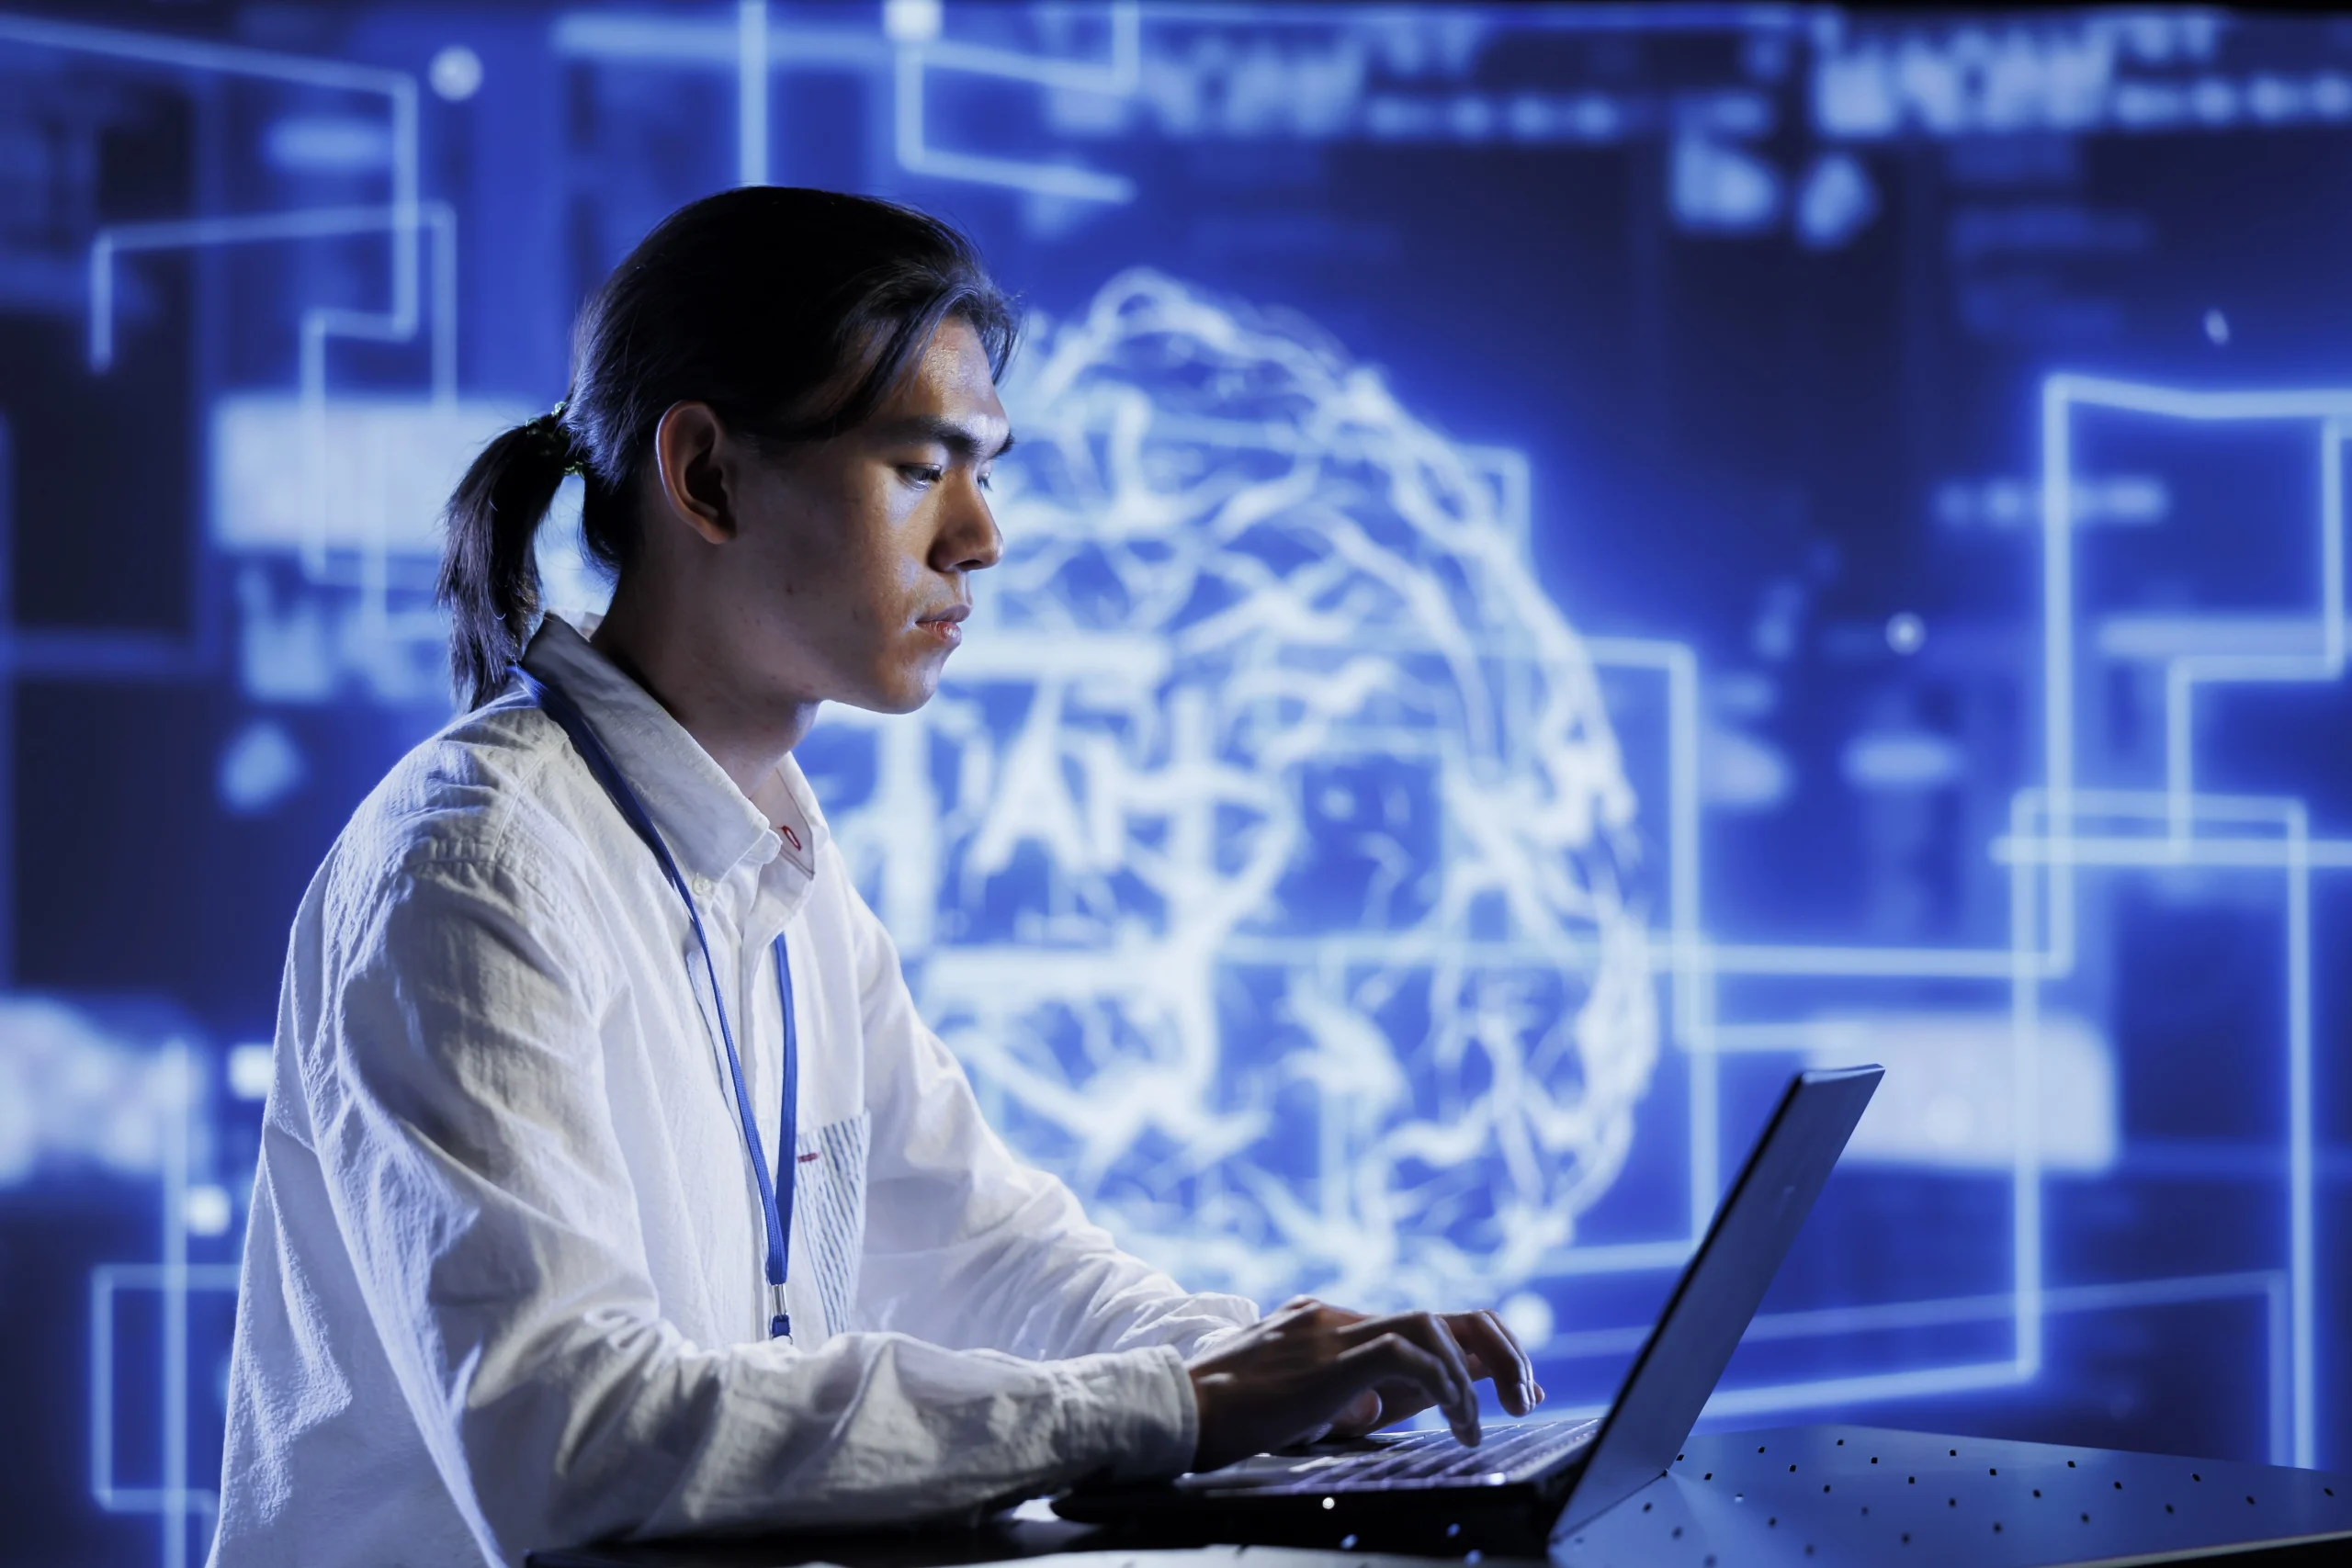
791	313
490	573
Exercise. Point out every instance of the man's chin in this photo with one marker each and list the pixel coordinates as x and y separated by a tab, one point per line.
904	695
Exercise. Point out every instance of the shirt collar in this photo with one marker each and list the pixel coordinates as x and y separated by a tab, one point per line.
707	822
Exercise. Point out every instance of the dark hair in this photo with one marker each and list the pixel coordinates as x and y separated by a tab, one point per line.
754	301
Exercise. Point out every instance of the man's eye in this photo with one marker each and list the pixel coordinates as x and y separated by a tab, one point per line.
988	481
922	473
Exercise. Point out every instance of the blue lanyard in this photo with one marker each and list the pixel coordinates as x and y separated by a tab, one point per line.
775	1195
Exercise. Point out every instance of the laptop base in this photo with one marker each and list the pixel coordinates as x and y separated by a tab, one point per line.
1513	1516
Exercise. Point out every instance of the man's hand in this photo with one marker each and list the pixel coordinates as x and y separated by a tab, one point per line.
1311	1369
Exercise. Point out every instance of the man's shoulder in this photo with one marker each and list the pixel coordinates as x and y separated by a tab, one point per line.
491	791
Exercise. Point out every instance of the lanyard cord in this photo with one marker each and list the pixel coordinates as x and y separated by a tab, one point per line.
775	1195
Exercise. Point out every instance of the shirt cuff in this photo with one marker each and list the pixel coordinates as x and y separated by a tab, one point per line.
1131	1412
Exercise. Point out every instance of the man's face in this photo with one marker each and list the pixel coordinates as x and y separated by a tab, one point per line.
858	550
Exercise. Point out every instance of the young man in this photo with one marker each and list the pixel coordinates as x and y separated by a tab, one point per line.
610	1184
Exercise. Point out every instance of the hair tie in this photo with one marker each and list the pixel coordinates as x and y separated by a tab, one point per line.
548	430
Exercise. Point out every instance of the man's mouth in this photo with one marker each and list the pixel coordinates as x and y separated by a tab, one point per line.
947	624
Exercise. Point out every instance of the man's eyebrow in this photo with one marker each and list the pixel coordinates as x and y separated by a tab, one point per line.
957	438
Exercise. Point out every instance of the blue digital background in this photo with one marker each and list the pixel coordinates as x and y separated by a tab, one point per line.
1565	563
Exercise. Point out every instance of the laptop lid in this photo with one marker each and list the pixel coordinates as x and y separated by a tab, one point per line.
1719	1289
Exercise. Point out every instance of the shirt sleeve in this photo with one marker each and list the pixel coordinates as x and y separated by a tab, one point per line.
967	1244
453	1069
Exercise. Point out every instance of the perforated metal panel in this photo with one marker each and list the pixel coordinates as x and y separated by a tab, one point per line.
1836	1495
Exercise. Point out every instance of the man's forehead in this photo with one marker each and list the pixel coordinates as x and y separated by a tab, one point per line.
951	395
955	368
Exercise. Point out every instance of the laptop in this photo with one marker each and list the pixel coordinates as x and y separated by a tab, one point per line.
1529	1482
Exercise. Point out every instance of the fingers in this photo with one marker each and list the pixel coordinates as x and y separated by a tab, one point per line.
1466	1347
1496	1354
1455	1394
1368	1411
1396	1357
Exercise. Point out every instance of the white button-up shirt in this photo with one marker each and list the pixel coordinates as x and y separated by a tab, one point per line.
504	1281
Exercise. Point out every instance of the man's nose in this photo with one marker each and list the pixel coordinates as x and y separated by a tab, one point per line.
969	538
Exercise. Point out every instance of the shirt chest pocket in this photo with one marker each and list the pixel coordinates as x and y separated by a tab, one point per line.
829	1211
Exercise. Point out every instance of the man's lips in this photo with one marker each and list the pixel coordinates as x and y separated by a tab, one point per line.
947	624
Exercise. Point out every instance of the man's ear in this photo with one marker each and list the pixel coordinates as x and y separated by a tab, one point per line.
688	447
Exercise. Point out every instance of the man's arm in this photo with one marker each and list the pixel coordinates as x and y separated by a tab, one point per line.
451	1062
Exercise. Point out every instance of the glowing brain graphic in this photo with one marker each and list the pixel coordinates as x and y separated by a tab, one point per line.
1261	857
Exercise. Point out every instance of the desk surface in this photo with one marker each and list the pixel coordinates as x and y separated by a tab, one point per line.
1806	1496
1834	1496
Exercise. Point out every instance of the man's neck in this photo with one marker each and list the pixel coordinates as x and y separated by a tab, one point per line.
697	686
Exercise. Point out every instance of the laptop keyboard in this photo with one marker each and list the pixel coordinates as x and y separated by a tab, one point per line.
1410	1461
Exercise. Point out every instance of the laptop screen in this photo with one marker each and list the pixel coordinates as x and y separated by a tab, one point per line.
1722	1287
